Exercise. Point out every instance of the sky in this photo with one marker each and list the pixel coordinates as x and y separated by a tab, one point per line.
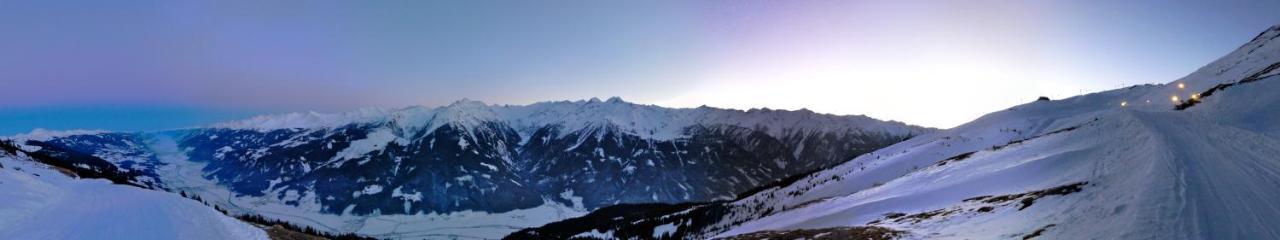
150	65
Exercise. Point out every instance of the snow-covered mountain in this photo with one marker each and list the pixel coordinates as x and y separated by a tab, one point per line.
1196	158
472	156
45	202
451	170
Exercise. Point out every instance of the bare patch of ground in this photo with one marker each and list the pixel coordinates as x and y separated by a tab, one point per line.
1037	232
1029	198
276	232
956	158
978	205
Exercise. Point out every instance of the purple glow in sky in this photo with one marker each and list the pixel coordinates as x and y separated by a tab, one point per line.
934	63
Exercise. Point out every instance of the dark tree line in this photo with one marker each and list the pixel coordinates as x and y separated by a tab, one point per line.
259	219
264	221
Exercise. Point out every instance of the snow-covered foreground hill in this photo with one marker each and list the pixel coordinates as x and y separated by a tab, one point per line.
40	202
1120	164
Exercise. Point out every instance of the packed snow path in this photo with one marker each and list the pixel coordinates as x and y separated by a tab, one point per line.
1226	178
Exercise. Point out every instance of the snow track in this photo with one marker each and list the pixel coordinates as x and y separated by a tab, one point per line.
1228	176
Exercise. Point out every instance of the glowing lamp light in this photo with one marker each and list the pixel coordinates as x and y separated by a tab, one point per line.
1195	96
1174	98
1182	86
1122	104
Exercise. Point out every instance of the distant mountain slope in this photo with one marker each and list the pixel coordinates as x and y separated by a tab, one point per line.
471	156
1192	159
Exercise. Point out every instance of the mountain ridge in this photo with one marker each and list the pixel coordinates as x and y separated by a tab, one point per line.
621	112
534	164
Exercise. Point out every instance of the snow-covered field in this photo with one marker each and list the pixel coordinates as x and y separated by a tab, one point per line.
37	202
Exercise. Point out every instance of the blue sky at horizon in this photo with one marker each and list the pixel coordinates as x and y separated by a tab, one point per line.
149	65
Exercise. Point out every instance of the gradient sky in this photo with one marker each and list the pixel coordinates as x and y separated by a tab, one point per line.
126	65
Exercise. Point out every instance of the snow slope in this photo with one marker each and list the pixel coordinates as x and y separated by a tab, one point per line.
1148	171
1119	164
472	170
42	203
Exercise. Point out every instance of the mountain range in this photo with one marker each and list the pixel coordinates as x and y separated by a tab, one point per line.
503	167
1195	158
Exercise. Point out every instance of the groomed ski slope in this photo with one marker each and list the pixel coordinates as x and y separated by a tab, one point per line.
1145	170
37	202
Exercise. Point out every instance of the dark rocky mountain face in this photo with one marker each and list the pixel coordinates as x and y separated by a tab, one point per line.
607	167
487	168
446	170
443	170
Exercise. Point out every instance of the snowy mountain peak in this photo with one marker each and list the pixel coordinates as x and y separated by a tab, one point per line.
615	99
468	110
593	100
467	103
649	121
305	120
